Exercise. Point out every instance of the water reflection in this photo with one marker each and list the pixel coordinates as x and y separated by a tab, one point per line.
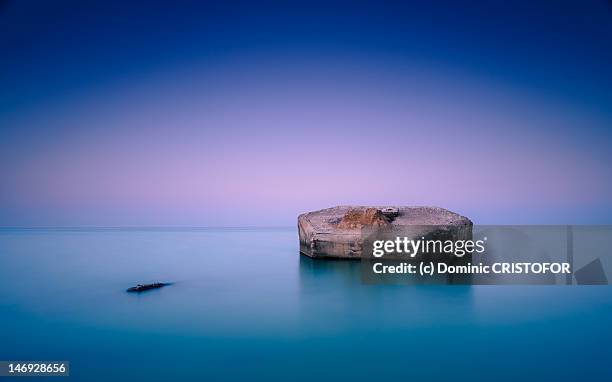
332	295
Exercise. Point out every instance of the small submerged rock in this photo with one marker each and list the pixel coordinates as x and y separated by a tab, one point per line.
145	287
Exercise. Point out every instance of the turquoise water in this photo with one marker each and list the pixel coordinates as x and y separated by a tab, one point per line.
245	306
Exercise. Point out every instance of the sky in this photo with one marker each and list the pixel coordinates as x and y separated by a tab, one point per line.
249	113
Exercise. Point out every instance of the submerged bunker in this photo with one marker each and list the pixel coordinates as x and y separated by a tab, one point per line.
339	232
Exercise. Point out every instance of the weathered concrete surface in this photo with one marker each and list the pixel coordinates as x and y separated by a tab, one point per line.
338	232
357	218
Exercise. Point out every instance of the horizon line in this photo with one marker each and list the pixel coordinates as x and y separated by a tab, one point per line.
144	227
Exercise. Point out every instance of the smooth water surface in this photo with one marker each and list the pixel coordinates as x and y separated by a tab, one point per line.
246	306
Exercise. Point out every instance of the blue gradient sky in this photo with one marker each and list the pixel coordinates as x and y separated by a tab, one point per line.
237	113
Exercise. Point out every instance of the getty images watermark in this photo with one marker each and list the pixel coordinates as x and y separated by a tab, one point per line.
557	255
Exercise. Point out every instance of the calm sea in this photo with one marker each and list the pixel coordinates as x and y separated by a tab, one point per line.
246	306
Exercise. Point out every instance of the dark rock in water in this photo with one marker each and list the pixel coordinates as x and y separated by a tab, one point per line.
144	287
338	232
